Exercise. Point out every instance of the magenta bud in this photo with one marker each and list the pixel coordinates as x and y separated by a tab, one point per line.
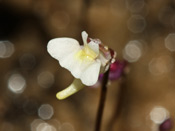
166	125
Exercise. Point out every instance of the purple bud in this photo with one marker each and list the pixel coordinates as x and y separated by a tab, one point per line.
117	69
166	125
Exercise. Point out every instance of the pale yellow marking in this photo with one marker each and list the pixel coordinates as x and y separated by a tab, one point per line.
86	54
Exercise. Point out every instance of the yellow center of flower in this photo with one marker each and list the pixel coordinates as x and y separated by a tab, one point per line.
86	54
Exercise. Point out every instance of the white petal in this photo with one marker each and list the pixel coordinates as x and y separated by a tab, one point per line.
74	65
94	46
84	37
61	47
64	50
90	76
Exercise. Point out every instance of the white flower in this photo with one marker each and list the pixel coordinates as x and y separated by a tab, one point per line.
84	62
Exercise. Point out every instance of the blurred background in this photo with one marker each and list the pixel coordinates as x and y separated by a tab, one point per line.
140	31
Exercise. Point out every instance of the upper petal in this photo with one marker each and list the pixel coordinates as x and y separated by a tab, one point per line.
94	46
84	37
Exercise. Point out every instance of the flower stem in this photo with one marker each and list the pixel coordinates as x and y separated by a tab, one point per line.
102	101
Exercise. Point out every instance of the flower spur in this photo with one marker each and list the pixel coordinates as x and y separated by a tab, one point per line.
85	62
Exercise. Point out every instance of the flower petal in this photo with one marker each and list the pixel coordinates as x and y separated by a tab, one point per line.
75	65
64	50
61	47
94	46
84	36
90	76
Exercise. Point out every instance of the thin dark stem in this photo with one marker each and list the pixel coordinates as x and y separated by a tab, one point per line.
102	101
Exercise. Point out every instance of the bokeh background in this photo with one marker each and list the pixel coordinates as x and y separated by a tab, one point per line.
140	31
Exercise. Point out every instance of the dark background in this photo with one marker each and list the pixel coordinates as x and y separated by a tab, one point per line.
140	31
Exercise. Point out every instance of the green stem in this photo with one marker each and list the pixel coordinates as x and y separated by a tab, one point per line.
102	102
